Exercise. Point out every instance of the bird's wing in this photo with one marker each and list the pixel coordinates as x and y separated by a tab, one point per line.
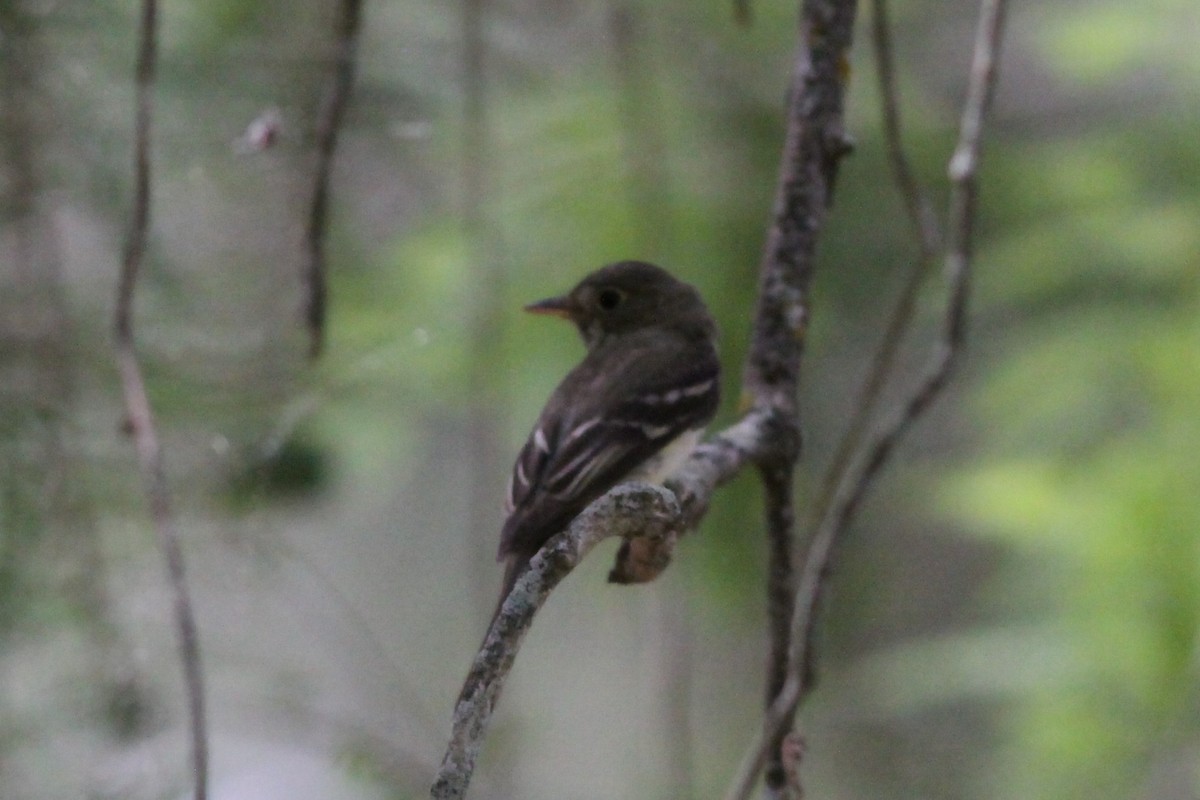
571	459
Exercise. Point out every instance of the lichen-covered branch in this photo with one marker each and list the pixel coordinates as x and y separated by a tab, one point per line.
138	412
630	510
649	518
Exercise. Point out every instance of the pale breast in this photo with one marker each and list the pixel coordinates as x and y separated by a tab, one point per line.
665	462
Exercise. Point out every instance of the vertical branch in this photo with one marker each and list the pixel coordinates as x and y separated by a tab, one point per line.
781	522
929	236
37	401
963	175
814	146
964	165
329	121
138	411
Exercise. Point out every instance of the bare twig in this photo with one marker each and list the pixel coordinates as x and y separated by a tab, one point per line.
959	241
329	120
138	411
916	201
963	167
929	237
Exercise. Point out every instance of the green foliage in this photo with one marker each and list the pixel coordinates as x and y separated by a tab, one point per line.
1088	470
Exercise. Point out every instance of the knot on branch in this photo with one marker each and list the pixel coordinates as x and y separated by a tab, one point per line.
647	517
781	440
647	547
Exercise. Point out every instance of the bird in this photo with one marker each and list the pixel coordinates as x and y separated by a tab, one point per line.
632	409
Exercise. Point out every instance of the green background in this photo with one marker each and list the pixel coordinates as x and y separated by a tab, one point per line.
1014	614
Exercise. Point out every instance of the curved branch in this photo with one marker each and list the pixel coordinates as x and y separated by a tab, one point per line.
769	434
916	202
929	236
630	510
651	516
138	412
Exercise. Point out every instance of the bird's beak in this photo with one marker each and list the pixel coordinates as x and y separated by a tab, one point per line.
554	306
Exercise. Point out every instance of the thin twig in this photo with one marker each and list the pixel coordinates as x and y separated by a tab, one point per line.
929	236
916	202
963	166
964	187
329	120
963	174
138	411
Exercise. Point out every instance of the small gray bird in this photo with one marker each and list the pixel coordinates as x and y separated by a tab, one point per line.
633	409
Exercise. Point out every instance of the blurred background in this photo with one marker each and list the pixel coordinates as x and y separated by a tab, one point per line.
1015	614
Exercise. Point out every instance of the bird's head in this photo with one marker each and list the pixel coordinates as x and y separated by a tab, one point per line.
626	297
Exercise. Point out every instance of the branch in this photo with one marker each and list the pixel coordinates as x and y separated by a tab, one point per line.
929	236
630	510
916	202
139	415
329	120
963	166
964	191
814	145
712	464
768	435
638	513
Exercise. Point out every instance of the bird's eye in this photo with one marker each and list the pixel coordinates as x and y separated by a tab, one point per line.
608	299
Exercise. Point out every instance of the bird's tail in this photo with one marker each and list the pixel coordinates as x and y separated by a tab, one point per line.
513	567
